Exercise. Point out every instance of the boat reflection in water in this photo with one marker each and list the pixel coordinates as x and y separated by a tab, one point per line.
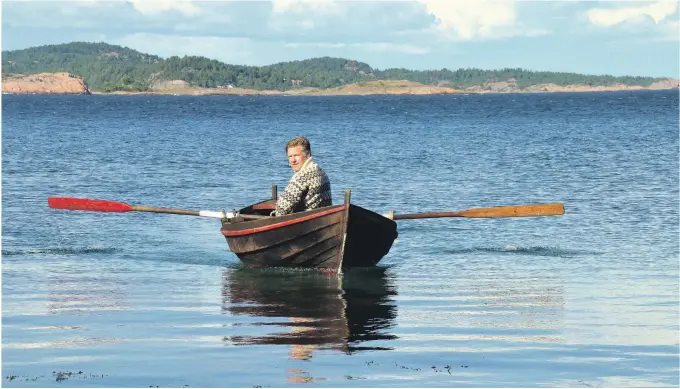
315	311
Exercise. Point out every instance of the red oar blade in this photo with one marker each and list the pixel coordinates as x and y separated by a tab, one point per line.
75	204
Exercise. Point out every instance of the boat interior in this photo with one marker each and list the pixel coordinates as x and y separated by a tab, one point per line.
263	208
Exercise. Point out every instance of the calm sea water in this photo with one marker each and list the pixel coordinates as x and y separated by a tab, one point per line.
586	299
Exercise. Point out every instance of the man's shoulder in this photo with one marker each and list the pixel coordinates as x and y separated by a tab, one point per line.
311	166
312	169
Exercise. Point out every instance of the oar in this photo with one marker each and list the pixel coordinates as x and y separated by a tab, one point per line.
79	204
494	212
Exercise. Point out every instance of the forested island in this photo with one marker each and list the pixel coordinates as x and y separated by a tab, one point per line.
105	68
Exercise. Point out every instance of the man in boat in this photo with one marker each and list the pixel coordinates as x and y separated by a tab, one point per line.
309	188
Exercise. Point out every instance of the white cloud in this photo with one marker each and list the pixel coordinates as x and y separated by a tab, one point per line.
453	20
466	20
607	17
155	7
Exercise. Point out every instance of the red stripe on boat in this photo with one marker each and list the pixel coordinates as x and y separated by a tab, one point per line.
264	206
283	224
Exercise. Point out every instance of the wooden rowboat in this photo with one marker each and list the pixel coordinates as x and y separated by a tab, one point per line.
331	238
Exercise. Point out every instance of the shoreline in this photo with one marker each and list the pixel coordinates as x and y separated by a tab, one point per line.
285	94
64	83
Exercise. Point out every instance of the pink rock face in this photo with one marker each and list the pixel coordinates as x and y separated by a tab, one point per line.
666	84
59	83
510	86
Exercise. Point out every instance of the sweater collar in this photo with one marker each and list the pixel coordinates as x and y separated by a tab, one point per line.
307	163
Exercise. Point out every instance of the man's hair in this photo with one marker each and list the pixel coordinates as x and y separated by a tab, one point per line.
300	141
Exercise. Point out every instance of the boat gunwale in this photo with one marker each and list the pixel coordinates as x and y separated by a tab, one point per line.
281	224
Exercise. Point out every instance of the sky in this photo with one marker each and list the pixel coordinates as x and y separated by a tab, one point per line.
636	38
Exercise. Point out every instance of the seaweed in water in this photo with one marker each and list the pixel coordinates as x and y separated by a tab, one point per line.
61	251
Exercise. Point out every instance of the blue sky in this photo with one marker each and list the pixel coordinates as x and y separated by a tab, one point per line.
607	37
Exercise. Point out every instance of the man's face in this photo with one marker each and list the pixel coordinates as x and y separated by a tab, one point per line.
296	157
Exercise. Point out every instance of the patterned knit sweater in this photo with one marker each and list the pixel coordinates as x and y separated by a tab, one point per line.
309	188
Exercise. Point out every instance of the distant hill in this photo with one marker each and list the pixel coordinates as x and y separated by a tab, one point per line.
97	63
108	68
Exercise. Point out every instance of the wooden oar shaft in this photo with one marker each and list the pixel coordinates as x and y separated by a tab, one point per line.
142	208
494	212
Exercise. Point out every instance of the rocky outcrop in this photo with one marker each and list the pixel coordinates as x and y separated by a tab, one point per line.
172	84
668	83
507	86
376	87
580	88
379	87
56	83
510	86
